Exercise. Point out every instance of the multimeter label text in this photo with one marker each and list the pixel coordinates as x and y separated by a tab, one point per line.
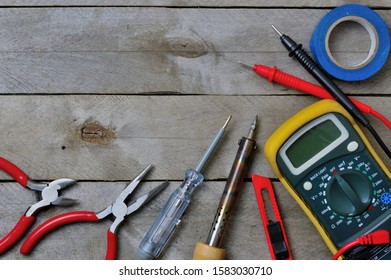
346	195
337	178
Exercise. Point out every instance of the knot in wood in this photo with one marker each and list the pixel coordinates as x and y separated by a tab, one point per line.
97	134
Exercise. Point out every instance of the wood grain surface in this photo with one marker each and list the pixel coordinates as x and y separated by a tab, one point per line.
154	50
96	91
193	3
244	239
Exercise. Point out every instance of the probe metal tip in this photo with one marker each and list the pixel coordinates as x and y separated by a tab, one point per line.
246	65
275	29
251	132
227	121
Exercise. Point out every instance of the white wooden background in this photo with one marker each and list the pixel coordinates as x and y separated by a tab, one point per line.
155	80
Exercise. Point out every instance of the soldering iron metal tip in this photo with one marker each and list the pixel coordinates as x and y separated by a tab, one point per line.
275	29
227	121
253	127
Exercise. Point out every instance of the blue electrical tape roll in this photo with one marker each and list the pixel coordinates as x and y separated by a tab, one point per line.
378	32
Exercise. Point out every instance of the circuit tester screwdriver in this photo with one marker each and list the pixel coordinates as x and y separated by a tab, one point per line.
170	215
211	249
310	65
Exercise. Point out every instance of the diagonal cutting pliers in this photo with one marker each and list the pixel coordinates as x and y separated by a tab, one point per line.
48	192
119	210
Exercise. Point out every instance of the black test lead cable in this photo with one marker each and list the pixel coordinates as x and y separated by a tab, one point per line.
310	65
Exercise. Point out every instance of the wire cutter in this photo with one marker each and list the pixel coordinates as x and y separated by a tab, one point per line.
48	192
119	209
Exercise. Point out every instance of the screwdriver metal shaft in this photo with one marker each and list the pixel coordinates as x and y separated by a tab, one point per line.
210	250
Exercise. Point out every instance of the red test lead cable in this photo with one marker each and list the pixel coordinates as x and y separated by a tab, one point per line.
274	75
378	237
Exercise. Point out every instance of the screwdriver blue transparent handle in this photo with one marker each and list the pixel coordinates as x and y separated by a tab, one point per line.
169	217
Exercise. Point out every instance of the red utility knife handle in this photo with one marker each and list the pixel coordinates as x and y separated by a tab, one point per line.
16	233
112	241
261	183
14	171
52	224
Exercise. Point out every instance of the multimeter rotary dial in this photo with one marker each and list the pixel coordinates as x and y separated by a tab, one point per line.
329	167
349	192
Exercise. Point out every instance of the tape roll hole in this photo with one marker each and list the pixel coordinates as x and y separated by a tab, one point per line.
351	42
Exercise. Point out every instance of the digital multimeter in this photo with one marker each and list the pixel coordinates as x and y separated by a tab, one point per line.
326	163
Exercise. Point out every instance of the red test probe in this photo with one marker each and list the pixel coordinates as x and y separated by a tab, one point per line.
378	237
274	75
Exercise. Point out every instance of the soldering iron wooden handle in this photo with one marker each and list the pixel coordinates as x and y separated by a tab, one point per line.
203	251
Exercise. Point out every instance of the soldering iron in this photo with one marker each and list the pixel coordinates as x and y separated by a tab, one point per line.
211	249
310	65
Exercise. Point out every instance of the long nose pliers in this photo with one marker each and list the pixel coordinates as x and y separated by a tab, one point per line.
119	210
48	192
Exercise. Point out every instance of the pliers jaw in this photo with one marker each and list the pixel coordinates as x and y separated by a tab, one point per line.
50	194
121	210
35	186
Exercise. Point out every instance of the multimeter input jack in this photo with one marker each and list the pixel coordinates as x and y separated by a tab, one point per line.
329	167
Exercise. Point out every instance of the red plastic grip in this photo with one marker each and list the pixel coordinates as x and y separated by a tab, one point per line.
52	224
112	241
16	233
13	171
274	75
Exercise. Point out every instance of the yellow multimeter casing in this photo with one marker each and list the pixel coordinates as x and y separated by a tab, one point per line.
328	166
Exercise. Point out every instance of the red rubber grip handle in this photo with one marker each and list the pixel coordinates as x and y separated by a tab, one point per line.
112	241
13	171
52	224
16	233
291	81
315	90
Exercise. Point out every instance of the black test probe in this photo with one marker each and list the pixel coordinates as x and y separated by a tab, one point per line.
310	65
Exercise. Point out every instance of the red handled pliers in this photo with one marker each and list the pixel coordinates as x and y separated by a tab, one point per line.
119	209
50	196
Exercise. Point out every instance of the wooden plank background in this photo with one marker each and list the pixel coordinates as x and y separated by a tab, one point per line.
97	91
196	3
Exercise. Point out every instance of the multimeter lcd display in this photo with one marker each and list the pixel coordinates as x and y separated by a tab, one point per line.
312	142
325	162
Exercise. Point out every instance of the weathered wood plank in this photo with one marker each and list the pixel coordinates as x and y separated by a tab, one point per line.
244	239
192	3
190	33
113	137
155	73
144	50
